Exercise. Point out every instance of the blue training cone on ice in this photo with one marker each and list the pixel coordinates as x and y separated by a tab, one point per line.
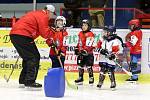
54	83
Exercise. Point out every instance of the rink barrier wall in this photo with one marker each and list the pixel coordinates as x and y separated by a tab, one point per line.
8	54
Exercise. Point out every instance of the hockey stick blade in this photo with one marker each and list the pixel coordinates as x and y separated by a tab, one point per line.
8	78
68	84
71	85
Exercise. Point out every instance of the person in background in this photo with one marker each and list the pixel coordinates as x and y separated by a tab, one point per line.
97	16
72	13
145	5
85	13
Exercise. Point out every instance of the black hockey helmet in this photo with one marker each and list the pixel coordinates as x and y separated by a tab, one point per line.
110	28
86	22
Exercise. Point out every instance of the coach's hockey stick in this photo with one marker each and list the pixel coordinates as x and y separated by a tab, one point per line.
69	85
13	67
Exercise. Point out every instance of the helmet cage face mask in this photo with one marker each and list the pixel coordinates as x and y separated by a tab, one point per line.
132	27
85	23
60	22
134	24
106	33
85	27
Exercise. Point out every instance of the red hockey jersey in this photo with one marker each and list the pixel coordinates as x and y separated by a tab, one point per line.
112	47
85	41
135	42
58	39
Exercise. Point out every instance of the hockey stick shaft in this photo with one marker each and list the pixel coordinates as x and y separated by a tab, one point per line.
127	72
8	78
69	85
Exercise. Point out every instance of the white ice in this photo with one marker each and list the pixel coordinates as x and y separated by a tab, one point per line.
10	91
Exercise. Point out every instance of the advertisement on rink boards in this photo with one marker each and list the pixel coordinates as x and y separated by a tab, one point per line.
71	42
71	59
8	54
145	61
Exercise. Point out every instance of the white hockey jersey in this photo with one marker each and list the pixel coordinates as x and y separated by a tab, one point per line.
112	46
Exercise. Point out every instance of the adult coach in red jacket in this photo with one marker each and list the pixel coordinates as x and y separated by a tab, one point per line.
22	35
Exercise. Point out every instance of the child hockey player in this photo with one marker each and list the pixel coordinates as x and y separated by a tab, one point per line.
134	42
57	42
84	52
109	48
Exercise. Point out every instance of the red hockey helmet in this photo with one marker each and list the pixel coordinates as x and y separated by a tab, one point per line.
134	22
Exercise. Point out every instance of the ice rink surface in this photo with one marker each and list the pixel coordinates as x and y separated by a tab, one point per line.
126	91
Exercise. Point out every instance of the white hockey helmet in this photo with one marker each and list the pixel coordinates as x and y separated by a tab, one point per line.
63	20
50	8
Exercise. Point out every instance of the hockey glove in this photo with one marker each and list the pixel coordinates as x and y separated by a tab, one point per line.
104	52
76	51
111	57
60	53
50	43
84	52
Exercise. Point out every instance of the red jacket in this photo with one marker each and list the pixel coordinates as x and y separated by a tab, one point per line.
33	24
58	38
82	42
135	42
